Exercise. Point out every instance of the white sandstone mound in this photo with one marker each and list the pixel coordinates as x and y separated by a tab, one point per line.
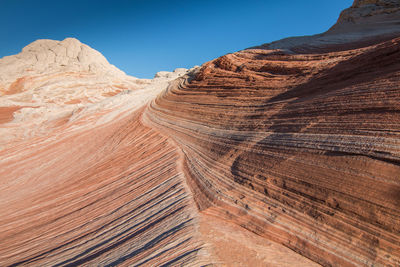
52	83
50	56
167	74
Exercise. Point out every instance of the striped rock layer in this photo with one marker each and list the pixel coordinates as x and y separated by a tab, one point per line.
85	180
116	198
287	154
303	149
82	180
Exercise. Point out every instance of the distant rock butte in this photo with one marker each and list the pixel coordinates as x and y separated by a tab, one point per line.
287	154
363	24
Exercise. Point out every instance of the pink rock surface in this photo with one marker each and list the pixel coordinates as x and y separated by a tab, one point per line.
285	154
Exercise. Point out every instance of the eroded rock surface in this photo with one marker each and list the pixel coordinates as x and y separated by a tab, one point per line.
82	180
365	23
287	154
299	144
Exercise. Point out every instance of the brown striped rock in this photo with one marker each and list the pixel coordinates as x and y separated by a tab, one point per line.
300	145
85	181
287	154
82	180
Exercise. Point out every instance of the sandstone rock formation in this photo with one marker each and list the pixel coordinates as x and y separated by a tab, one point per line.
298	140
83	181
364	23
50	81
287	154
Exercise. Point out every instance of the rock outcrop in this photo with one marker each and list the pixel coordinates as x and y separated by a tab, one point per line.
50	56
287	154
52	82
365	23
82	180
300	143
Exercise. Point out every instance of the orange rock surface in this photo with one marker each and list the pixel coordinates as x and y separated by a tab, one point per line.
101	197
303	149
85	181
286	154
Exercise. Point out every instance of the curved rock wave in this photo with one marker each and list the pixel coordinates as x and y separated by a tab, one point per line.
301	148
109	196
297	141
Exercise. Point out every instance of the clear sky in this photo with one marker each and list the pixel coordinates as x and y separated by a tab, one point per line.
142	37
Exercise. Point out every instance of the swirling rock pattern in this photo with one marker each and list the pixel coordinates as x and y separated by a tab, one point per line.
296	141
82	180
123	202
85	181
301	148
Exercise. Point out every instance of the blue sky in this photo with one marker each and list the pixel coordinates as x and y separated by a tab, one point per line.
144	36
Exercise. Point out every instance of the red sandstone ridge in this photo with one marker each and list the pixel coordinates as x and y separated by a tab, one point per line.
287	154
82	180
85	181
299	140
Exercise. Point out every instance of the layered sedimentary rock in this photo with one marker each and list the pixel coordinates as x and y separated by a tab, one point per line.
84	181
366	22
106	196
258	158
300	143
51	81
